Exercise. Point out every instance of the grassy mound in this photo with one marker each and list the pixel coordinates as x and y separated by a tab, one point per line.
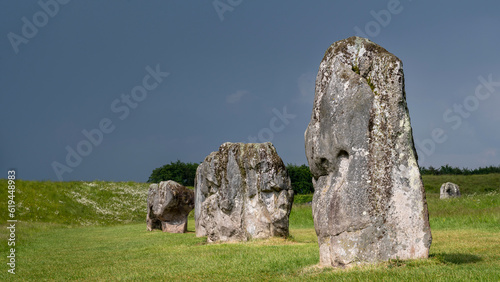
78	203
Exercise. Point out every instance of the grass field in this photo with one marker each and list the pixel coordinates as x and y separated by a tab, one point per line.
97	231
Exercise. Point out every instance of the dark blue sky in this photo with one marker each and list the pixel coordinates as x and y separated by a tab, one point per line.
238	71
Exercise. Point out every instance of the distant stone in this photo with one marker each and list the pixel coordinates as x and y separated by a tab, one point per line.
449	190
242	191
369	201
169	204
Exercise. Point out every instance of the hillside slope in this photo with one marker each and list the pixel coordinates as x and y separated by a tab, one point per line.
78	203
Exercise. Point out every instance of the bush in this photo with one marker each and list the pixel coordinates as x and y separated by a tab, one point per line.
183	173
301	178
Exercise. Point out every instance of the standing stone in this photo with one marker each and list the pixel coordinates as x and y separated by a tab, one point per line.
169	204
242	191
449	190
369	201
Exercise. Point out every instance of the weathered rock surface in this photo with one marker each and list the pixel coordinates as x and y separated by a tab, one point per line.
449	190
369	202
242	191
169	204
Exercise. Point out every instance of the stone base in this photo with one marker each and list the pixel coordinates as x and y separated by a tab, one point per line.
168	226
174	228
345	250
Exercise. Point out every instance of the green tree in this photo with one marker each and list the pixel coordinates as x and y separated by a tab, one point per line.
183	173
301	179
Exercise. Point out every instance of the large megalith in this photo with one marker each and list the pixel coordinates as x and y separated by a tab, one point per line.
169	204
369	202
242	191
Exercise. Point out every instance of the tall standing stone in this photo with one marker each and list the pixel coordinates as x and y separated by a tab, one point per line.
242	191
369	202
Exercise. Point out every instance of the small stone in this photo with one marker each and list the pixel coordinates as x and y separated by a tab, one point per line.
449	190
242	191
169	204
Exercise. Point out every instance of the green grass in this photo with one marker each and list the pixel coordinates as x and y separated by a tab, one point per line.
475	211
100	234
469	184
302	199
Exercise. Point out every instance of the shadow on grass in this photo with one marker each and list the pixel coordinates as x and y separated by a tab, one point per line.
456	258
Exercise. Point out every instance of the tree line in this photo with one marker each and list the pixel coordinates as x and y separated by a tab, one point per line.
300	176
449	170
